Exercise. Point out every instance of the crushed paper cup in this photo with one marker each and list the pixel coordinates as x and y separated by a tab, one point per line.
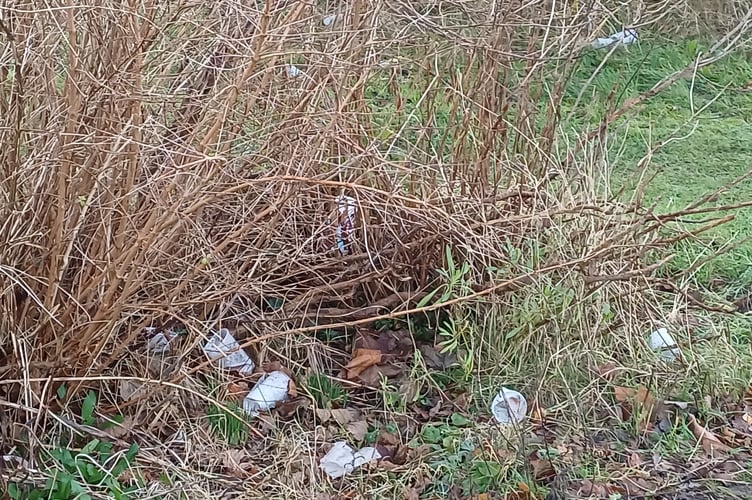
225	350
509	407
341	459
271	389
346	208
627	36
664	344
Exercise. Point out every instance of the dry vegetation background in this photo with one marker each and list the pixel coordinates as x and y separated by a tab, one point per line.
162	166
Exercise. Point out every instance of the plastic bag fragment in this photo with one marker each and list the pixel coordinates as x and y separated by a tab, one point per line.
159	341
225	350
627	36
293	71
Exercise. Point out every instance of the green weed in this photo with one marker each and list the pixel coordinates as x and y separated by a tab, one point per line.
230	426
326	392
76	474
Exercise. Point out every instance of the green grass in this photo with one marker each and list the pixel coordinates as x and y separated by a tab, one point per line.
709	115
715	145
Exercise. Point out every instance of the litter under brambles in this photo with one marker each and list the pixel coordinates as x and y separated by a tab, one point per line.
346	208
293	71
627	36
159	341
226	352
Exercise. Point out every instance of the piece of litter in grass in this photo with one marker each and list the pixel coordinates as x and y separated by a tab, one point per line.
159	342
225	350
509	407
346	208
341	459
293	71
328	20
271	389
15	460
627	36
662	342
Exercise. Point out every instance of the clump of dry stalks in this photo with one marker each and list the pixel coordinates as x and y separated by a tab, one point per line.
160	163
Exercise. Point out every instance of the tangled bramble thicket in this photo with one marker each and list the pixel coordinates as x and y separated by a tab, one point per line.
161	167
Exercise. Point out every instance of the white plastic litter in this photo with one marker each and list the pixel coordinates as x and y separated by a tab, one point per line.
627	36
329	19
20	462
223	348
271	389
341	459
346	207
509	407
293	71
662	342
389	63
159	342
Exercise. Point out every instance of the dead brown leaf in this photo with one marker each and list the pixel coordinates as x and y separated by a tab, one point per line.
362	359
342	416
276	366
609	370
636	486
292	390
411	494
237	463
400	454
388	439
358	429
130	389
393	344
537	414
709	441
124	428
542	469
624	394
635	460
372	376
237	391
289	408
638	402
728	433
435	359
522	493
592	489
